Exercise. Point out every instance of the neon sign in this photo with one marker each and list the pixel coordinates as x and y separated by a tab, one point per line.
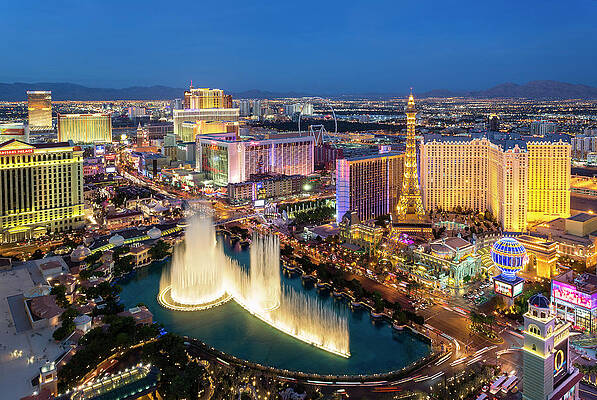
569	294
15	152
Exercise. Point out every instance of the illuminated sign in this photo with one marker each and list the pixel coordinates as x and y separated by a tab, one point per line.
569	294
502	288
517	289
560	359
99	149
110	170
15	152
12	131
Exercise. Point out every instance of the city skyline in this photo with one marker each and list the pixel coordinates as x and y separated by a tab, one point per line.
304	47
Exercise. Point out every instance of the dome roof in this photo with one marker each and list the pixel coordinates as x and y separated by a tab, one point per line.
82	319
80	253
154	233
116	240
509	255
539	301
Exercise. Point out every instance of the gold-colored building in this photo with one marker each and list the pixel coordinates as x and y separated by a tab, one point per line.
518	182
39	107
191	117
41	189
190	130
549	180
201	98
85	128
543	255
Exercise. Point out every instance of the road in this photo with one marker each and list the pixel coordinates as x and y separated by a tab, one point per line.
389	294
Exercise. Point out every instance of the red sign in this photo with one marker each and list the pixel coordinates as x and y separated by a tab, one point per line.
12	131
15	152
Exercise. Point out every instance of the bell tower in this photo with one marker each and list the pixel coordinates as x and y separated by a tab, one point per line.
547	373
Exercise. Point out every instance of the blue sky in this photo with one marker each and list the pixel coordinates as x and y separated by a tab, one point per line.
314	46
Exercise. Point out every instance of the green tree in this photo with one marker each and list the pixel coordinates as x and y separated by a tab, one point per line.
60	293
159	250
378	302
123	265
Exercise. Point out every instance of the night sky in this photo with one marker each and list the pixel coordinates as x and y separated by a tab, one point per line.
324	46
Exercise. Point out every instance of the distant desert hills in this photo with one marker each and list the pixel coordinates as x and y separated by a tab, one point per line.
537	90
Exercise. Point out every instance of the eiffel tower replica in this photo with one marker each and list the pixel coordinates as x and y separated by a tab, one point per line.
410	214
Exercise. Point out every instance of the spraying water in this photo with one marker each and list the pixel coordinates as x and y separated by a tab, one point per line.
203	276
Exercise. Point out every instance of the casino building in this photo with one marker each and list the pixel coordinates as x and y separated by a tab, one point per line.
41	189
519	181
574	299
226	159
548	373
39	108
370	185
85	128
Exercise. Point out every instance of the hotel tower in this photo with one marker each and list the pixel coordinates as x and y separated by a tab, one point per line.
39	107
518	181
41	189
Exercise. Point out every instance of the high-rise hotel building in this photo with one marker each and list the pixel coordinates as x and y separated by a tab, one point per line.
41	189
518	181
369	185
200	98
227	159
203	104
39	106
85	128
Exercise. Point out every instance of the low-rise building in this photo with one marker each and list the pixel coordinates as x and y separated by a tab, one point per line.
43	311
574	298
123	219
576	236
140	314
446	262
363	234
262	187
140	253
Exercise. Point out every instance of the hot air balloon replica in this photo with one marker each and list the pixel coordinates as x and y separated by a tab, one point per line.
509	256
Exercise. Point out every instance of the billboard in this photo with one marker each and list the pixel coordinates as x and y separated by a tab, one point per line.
100	150
110	169
560	361
569	294
503	288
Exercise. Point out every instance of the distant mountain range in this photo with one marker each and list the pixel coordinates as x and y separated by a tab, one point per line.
68	91
531	90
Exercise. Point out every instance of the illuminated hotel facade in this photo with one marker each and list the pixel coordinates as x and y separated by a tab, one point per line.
519	182
201	98
41	189
227	159
194	115
369	185
39	107
85	128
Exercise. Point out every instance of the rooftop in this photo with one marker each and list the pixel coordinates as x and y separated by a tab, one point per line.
586	283
582	217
